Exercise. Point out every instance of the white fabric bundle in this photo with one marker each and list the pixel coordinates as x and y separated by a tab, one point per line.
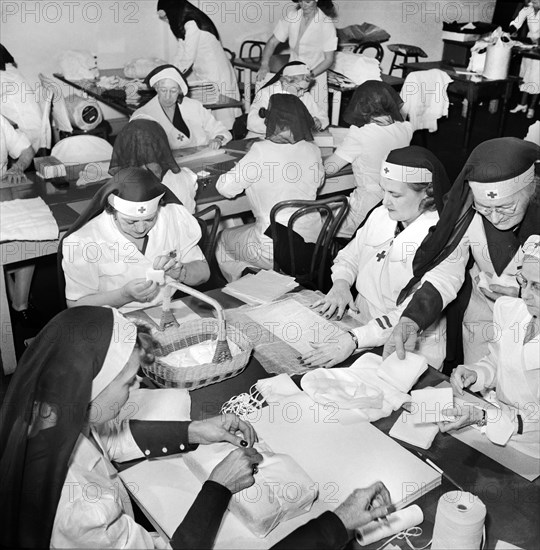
27	220
357	67
78	65
197	354
140	67
282	489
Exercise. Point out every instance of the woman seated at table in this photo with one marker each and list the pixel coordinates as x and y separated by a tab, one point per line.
133	225
294	78
378	261
60	431
143	144
200	49
185	121
511	368
287	165
377	128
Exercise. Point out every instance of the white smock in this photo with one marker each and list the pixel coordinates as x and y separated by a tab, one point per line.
256	124
319	37
379	264
530	68
513	369
184	186
19	103
99	258
12	144
203	127
269	173
447	278
202	51
366	148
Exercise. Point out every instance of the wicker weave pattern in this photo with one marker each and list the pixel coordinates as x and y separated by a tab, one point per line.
197	376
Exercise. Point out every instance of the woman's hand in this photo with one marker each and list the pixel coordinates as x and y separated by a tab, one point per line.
329	354
169	265
336	301
236	470
365	505
225	427
261	73
318	124
497	291
462	377
403	338
464	416
140	290
15	175
215	143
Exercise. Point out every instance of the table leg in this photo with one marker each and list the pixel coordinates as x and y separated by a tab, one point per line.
504	107
336	106
9	359
246	79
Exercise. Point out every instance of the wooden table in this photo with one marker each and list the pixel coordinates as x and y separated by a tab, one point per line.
61	200
91	88
473	88
512	502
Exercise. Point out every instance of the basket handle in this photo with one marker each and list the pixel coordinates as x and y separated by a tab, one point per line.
222	330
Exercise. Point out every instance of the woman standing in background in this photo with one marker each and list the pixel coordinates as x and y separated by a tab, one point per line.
312	38
199	49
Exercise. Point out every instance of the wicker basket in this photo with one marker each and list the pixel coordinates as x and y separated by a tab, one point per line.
196	332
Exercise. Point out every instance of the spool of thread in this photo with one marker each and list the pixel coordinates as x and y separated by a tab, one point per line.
83	113
459	522
396	522
497	61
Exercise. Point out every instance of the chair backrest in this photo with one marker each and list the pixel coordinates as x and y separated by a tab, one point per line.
231	55
209	229
82	149
252	49
379	52
309	262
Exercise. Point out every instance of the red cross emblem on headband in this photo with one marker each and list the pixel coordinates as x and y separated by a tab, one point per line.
386	170
142	209
492	194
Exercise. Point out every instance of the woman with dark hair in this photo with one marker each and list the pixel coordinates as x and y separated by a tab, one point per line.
200	49
143	144
312	39
133	227
377	128
378	261
285	166
294	78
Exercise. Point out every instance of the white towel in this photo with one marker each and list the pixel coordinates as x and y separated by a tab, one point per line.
27	220
425	98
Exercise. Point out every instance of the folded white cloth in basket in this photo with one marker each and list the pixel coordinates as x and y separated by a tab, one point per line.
27	220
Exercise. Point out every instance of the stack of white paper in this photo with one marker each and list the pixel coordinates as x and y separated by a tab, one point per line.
205	92
262	288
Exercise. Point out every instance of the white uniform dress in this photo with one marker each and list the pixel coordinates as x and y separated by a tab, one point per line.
478	325
99	258
530	68
204	52
184	186
255	123
18	103
366	148
319	37
380	265
12	144
269	173
94	510
513	369
203	127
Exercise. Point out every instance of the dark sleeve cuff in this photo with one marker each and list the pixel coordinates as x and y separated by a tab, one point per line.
326	532
161	438
201	524
425	307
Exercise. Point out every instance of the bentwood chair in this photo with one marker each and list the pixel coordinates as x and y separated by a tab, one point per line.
309	263
379	52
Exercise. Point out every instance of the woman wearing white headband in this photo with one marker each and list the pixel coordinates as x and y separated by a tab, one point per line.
511	367
294	78
312	37
133	228
185	120
378	261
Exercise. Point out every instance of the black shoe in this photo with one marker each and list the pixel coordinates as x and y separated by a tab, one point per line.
28	318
